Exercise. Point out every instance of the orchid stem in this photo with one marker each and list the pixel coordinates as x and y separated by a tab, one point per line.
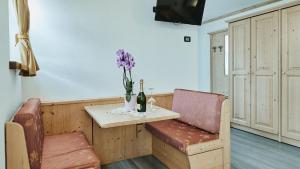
130	75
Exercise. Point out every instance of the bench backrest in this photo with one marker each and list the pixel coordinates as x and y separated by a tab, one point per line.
199	109
29	117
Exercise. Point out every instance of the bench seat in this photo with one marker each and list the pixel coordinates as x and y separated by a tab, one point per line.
64	151
178	134
64	143
200	138
84	158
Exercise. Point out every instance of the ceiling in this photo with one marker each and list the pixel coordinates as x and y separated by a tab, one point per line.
215	8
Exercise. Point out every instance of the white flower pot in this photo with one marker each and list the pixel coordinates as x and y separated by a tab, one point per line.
131	105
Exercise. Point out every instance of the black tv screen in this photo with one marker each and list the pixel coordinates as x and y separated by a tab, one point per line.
180	11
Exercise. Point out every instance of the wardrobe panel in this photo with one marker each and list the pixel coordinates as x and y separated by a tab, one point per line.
293	39
240	32
241	86
264	103
264	72
239	52
240	71
291	73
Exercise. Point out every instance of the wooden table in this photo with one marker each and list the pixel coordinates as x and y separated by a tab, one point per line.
119	136
108	116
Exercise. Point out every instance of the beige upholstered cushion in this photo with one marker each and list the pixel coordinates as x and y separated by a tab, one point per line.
199	109
29	117
64	143
80	159
178	134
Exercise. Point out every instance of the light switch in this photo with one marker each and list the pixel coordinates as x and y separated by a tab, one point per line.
187	39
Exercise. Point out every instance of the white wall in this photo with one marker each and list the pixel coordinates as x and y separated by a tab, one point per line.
204	43
10	83
75	43
215	8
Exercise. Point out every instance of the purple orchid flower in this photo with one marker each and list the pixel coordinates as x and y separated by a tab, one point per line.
126	61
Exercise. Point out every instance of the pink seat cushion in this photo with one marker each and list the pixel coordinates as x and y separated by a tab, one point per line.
80	159
64	143
65	151
30	118
199	109
178	134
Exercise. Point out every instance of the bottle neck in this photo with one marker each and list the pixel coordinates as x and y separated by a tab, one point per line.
141	87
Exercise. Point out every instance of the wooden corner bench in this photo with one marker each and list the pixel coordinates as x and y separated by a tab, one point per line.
200	138
28	148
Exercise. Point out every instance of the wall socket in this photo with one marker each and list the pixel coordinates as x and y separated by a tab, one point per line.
187	39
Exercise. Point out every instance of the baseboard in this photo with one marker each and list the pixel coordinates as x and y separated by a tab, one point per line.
275	137
292	142
257	132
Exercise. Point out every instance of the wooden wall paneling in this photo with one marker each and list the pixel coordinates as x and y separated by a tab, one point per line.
47	113
164	101
265	72
240	71
64	118
291	73
69	116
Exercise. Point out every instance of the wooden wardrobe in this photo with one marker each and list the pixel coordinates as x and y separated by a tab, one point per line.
265	73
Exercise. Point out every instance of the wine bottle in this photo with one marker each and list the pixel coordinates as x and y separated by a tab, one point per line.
141	98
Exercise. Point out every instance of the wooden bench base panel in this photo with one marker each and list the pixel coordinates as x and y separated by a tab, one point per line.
168	155
176	159
121	143
208	160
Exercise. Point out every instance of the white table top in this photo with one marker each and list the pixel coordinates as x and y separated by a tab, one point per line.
112	115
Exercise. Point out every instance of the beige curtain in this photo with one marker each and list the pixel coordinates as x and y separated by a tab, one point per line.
29	65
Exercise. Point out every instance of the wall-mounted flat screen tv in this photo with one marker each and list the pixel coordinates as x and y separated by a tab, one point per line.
180	11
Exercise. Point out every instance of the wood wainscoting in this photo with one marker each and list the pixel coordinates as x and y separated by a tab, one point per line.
113	144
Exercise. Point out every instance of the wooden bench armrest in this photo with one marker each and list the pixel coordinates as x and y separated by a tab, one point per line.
16	151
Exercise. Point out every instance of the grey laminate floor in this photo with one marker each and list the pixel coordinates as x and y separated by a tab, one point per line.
147	162
249	151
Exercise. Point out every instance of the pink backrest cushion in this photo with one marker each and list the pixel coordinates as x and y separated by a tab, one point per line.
29	116
199	109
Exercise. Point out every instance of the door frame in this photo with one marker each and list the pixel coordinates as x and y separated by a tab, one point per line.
211	55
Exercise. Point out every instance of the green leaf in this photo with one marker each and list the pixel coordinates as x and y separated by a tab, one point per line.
129	87
128	97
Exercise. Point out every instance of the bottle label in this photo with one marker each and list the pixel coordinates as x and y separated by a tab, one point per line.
138	106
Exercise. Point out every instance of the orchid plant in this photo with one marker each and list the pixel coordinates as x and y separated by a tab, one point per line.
126	61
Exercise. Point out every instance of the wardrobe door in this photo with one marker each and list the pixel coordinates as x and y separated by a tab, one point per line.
291	72
240	71
264	72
